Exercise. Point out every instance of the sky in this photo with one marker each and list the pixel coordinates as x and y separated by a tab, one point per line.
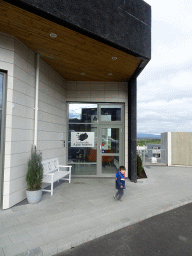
164	88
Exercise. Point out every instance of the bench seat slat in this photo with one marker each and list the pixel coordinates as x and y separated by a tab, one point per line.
52	172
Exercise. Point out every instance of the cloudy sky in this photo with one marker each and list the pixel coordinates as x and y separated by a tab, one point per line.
165	86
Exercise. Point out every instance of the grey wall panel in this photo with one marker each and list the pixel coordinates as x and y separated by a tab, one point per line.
20	118
164	146
181	148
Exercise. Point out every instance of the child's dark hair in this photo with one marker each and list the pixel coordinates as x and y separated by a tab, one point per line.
122	168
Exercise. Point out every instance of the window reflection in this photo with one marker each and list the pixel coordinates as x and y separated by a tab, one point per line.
111	113
110	164
110	140
82	113
84	169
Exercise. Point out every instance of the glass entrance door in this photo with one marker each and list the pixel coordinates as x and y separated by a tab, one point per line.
111	150
95	138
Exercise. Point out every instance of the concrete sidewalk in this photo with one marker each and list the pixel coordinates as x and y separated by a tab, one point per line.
85	209
165	234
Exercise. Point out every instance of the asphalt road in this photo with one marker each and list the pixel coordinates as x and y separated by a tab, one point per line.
166	234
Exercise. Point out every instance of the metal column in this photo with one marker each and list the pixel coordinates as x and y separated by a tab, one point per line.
132	129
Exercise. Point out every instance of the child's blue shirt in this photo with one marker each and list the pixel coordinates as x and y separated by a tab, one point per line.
120	180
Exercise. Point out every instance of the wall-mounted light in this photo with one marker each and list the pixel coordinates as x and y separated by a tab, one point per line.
114	58
82	74
53	35
110	74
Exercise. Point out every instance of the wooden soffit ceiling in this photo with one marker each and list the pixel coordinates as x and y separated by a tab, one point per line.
74	56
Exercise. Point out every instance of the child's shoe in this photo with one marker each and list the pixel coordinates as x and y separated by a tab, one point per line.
115	197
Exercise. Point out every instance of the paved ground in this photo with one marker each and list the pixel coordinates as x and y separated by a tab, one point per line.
167	234
85	209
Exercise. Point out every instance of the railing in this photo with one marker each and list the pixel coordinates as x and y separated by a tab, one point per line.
151	156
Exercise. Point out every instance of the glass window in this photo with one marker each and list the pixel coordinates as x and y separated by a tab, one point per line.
110	164
111	113
82	113
110	140
84	169
1	90
82	143
0	128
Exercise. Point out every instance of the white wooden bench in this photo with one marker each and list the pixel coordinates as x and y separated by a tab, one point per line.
52	172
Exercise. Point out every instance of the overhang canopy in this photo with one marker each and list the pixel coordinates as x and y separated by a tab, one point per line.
74	55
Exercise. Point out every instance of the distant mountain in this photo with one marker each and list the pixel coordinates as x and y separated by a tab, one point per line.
148	136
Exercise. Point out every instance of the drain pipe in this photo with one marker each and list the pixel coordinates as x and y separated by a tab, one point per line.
36	99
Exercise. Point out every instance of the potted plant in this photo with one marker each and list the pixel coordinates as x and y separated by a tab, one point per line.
34	177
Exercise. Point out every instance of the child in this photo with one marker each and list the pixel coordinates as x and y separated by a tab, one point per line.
120	183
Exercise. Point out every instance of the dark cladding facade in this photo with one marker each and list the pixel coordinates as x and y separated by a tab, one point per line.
125	25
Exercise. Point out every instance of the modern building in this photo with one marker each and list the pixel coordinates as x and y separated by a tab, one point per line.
154	150
178	148
68	85
141	148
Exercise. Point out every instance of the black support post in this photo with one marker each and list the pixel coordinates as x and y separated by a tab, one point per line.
132	129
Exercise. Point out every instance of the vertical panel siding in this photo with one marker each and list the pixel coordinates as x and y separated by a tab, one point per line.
52	114
19	61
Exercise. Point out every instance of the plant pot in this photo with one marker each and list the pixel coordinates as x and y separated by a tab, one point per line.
33	197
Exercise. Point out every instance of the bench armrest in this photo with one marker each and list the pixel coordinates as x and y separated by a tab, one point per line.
64	166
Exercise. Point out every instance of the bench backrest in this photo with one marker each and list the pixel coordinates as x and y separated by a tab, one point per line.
50	165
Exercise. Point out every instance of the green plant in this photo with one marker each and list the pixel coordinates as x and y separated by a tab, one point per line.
139	165
35	171
141	142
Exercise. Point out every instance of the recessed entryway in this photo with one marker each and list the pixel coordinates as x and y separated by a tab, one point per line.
95	138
